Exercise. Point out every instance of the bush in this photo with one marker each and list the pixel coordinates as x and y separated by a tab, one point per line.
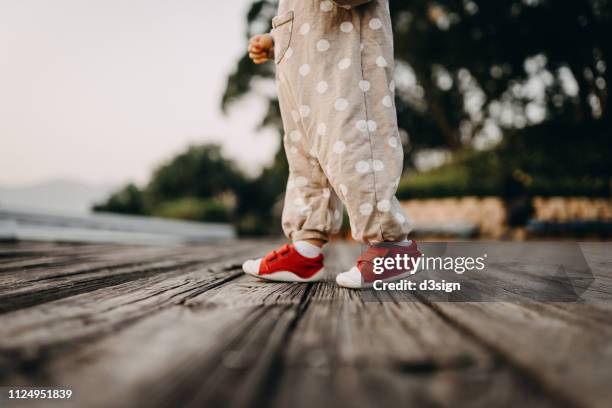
193	209
491	172
470	173
128	200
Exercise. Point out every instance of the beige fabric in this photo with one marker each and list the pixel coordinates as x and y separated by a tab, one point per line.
350	2
335	87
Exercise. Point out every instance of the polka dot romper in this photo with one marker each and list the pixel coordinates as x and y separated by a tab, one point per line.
334	63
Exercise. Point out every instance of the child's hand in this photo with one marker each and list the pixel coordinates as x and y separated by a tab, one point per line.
261	48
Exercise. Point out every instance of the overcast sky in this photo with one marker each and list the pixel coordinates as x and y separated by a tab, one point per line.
103	90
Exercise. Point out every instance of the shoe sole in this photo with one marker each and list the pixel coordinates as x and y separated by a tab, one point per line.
393	279
288	276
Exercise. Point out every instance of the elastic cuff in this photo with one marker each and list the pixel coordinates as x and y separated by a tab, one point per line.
303	235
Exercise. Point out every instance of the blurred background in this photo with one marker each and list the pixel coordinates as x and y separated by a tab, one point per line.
152	109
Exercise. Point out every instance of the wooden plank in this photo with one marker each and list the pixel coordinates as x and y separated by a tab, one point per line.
26	289
395	351
562	346
554	272
20	249
190	337
71	319
83	259
566	358
217	347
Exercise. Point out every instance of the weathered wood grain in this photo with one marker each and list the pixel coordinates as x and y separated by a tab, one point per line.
390	351
565	357
28	288
214	348
186	328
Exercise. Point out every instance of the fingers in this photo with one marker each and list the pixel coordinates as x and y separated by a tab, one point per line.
255	42
255	49
258	58
260	61
258	50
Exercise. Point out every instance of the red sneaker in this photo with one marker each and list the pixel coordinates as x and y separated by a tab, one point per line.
286	265
363	276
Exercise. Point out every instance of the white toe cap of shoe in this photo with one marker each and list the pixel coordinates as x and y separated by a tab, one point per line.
350	279
251	266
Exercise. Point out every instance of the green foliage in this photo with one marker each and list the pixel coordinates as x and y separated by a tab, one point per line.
199	172
128	200
526	161
464	67
200	185
194	209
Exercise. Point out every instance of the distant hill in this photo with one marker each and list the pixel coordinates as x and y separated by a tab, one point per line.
67	196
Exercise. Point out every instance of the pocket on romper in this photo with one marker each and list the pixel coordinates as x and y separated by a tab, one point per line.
282	29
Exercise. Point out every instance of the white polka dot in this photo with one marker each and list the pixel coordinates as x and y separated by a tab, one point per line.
326	5
313	152
366	209
378	165
300	181
304	111
387	101
346	27
383	206
322	45
293	150
392	86
322	87
295	135
295	115
305	29
393	142
337	214
362	125
341	104
344	63
343	189
399	217
298	201
381	61
305	210
321	129
305	70
362	167
361	47
375	24
288	53
372	126
339	147
326	193
364	85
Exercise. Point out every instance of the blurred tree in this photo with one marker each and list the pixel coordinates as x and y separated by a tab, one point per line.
200	185
473	72
194	209
128	200
200	172
197	184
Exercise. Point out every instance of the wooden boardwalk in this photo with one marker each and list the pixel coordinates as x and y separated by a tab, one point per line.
138	326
